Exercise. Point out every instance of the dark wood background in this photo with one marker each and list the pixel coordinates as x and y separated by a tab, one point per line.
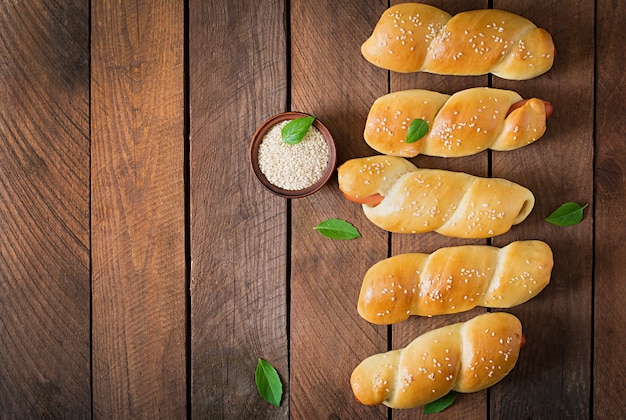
143	270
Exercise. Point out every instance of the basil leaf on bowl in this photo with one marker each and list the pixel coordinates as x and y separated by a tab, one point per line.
294	131
417	130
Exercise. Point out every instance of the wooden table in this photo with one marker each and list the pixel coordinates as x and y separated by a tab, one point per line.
144	271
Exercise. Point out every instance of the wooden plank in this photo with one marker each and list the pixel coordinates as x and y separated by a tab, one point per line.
44	210
332	81
552	378
609	377
138	209
238	229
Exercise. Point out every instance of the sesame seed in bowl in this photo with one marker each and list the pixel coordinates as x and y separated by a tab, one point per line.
293	154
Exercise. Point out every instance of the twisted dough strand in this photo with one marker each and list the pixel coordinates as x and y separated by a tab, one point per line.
464	357
423	200
454	279
463	124
412	37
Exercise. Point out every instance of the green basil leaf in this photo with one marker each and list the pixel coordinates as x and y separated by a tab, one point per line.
567	214
337	229
440	404
417	130
293	132
268	382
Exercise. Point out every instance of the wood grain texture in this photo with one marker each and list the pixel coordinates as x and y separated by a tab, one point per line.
138	210
238	229
552	379
331	80
609	377
94	305
44	210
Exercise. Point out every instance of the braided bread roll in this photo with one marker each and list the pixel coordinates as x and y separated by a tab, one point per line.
399	197
465	357
463	124
454	279
412	37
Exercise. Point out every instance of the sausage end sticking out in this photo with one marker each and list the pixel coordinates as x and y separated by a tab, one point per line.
370	200
519	104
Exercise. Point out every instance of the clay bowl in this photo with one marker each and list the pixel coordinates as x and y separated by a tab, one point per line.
254	156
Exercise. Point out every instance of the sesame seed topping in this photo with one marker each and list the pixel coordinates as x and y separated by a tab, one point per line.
293	167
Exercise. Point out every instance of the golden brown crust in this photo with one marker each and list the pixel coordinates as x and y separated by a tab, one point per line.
523	126
364	177
424	200
463	124
465	357
412	37
404	49
454	279
490	351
